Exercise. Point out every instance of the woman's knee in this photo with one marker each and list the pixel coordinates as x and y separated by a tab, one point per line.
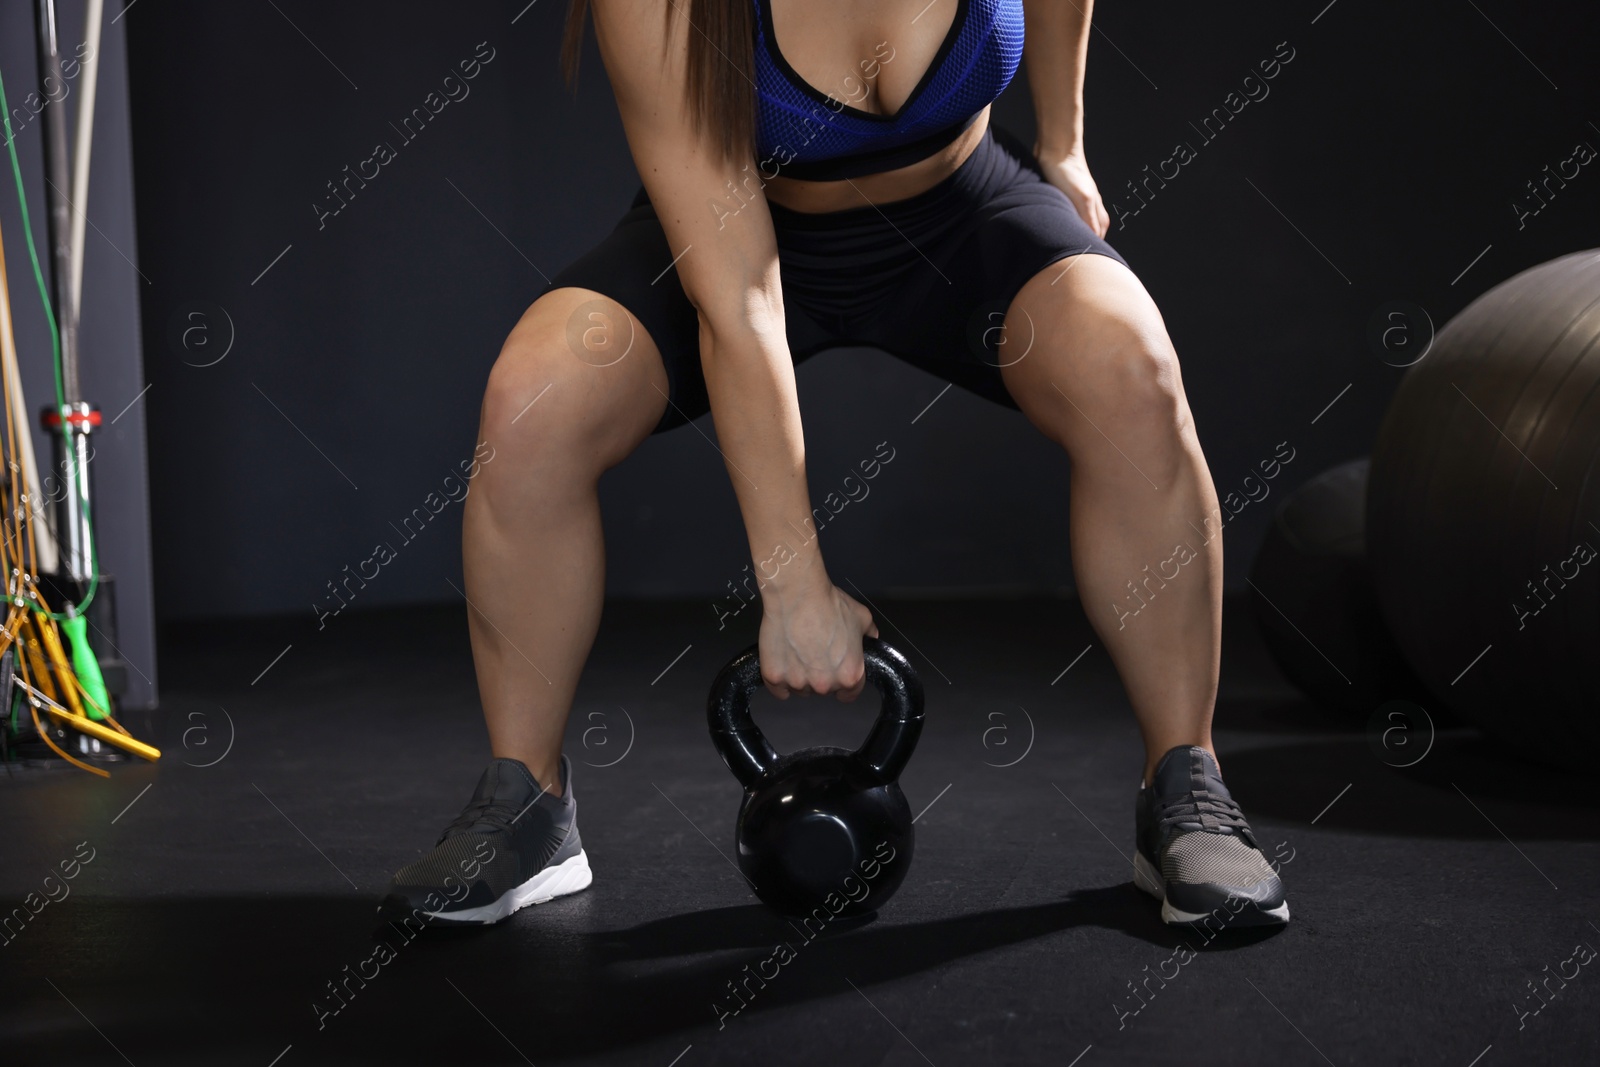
1140	384
1103	370
562	396
1129	410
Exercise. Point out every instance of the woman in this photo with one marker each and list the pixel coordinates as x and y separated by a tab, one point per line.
845	187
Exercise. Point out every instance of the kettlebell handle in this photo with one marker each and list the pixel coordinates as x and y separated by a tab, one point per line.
887	748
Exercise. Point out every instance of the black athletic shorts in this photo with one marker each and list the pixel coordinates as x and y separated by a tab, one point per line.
927	279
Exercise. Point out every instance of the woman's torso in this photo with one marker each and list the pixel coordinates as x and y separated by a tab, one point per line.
845	85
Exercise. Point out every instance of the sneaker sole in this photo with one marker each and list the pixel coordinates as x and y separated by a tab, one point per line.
564	878
1147	878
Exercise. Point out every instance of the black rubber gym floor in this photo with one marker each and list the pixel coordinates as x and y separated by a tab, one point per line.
222	906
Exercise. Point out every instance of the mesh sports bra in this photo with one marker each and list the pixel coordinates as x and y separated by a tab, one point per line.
802	132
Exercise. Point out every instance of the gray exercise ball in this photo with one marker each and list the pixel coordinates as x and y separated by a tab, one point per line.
1315	604
1483	512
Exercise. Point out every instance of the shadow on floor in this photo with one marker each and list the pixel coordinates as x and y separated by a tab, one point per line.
166	975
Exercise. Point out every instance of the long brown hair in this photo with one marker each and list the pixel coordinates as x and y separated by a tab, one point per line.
719	89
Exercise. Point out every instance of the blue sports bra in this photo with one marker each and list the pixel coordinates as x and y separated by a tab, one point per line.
802	132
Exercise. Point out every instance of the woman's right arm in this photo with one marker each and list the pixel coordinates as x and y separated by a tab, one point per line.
728	267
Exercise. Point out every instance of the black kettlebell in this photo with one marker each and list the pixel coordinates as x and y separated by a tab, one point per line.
822	828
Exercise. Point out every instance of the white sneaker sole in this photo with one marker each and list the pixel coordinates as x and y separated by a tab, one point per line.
1147	878
566	877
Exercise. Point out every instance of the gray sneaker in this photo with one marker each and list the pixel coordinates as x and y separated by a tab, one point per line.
1197	854
513	845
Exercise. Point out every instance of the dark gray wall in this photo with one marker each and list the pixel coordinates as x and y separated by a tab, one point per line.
1384	160
112	373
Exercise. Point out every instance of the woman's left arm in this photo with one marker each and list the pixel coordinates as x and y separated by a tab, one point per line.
1055	48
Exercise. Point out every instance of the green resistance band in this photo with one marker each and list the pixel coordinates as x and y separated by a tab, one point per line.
85	666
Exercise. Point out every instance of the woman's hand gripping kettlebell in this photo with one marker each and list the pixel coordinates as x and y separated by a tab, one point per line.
811	639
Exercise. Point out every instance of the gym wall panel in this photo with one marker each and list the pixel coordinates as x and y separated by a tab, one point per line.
1340	158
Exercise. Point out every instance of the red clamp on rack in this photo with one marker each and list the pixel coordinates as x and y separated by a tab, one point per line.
83	419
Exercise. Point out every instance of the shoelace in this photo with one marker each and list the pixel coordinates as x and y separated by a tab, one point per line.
495	811
1192	807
